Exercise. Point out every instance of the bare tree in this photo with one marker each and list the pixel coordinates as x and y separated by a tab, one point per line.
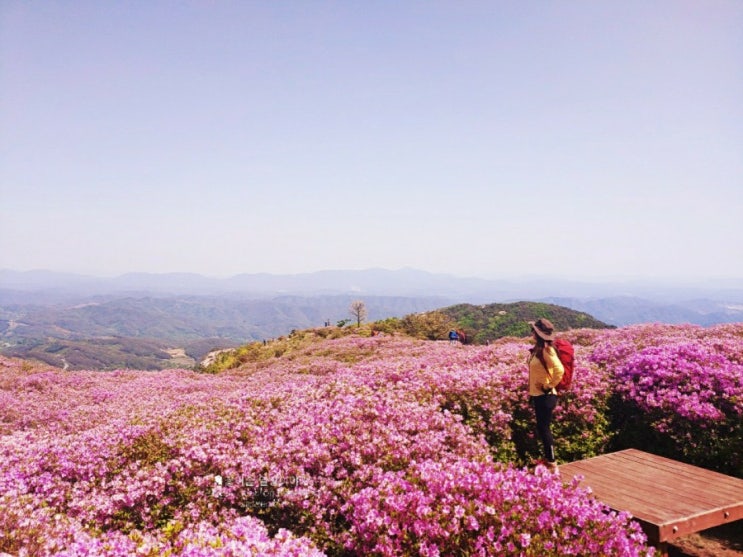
358	310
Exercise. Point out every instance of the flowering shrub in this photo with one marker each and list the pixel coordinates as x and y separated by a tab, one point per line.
233	538
467	508
679	392
352	446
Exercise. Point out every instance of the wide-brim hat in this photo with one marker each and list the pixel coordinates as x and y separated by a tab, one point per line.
544	328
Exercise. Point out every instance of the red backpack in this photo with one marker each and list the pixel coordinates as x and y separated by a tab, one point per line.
567	356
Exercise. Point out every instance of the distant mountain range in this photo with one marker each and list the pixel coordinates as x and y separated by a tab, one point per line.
187	318
55	314
626	310
370	282
155	332
615	302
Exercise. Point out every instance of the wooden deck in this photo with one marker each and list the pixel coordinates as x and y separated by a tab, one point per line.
668	498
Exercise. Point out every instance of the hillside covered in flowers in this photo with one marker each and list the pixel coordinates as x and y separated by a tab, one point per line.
357	445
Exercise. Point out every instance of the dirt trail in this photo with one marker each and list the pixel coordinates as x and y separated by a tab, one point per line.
179	358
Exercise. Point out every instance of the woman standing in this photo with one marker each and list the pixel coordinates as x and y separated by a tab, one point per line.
545	372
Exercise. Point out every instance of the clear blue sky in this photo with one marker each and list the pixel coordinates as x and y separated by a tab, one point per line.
578	138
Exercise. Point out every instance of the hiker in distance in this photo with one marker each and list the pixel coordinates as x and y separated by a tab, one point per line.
545	372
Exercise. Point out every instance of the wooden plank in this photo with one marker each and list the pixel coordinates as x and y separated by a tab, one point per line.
668	498
662	478
663	487
680	469
657	498
696	482
614	477
667	492
640	499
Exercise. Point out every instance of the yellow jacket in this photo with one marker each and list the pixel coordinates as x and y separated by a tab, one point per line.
541	378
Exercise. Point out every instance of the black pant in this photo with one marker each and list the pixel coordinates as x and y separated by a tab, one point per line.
543	407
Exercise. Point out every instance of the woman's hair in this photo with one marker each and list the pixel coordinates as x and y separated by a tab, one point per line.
538	349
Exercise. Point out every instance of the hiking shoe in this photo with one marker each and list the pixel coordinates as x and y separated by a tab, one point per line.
551	466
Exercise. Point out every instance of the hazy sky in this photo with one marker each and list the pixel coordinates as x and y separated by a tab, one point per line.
576	138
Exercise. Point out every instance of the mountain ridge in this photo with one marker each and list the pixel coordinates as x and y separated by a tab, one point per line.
618	303
485	323
375	281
